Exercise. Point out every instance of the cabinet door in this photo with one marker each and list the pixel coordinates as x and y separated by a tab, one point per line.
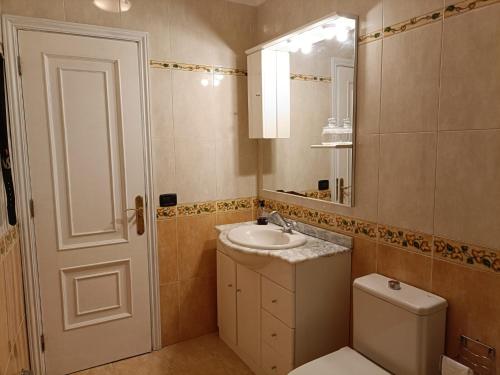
248	312
226	297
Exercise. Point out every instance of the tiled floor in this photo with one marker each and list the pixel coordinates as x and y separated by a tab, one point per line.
206	355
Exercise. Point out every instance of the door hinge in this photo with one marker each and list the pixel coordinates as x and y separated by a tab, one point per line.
32	208
42	342
19	66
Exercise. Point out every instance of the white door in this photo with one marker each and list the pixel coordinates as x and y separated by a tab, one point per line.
84	119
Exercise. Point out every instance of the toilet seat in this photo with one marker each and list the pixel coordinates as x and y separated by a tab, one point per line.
345	361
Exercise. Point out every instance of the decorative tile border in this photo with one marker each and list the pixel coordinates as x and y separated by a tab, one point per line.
310	78
407	239
471	255
319	194
235	205
413	23
8	239
230	71
421	243
466	6
201	208
460	7
171	65
370	37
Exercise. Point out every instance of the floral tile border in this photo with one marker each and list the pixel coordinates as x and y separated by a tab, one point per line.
413	23
8	239
407	239
319	194
235	204
370	37
466	6
470	255
200	208
310	78
421	243
196	208
230	71
459	7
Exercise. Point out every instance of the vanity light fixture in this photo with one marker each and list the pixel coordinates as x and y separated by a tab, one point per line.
113	6
204	82
328	29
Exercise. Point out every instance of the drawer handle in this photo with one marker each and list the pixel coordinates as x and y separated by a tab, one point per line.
274	334
229	285
273	368
238	290
274	301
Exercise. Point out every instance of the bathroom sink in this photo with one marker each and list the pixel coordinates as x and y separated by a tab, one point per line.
266	237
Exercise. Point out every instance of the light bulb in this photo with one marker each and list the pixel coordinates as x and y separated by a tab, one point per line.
204	82
293	46
306	48
342	34
216	83
329	32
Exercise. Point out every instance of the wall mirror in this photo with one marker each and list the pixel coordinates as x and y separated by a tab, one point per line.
314	157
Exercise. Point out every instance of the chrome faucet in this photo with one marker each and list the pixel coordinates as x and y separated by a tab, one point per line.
287	226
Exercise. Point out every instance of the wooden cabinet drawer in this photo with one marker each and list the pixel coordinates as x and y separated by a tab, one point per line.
275	333
279	302
273	363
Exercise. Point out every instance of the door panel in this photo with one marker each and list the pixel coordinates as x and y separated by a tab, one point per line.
248	311
84	124
88	190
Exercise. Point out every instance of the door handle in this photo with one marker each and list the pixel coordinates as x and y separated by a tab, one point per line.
139	214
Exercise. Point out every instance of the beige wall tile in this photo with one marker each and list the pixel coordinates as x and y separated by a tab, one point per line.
401	10
364	257
368	88
198	313
23	361
236	161
468	187
470	92
195	170
161	103
405	266
234	217
167	250
4	328
215	32
196	245
169	306
53	9
473	304
151	16
410	80
407	180
84	11
164	167
194	111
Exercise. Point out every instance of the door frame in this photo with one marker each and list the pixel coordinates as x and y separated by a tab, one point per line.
20	162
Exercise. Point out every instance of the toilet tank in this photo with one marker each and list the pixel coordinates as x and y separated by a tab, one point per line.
401	330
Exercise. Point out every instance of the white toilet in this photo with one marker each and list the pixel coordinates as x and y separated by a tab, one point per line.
399	331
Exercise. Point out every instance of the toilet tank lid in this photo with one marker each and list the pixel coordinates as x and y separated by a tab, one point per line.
412	299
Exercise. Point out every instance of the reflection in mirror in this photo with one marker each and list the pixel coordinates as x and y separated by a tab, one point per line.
316	161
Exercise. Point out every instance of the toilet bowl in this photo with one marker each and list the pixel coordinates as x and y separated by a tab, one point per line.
397	329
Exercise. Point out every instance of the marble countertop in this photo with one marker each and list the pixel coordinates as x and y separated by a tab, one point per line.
333	244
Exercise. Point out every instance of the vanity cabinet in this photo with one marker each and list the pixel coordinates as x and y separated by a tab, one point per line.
278	315
269	94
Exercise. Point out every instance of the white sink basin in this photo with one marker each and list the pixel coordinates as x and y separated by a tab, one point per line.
268	237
